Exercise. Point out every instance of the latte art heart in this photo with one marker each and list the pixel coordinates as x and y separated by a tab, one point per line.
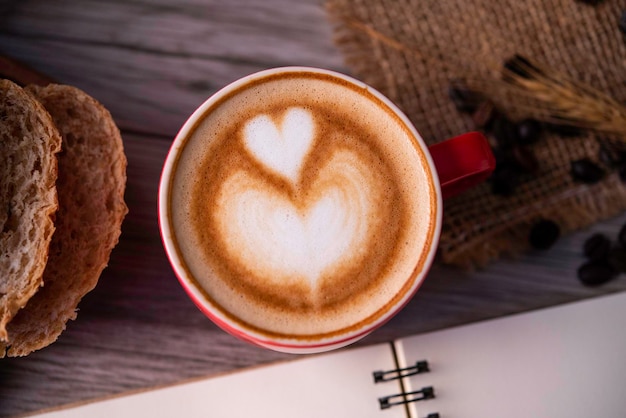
283	241
281	148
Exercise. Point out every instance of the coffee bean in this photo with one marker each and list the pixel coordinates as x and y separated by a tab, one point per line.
464	99
503	156
505	159
617	259
528	131
597	247
525	159
509	157
595	273
621	237
544	234
505	132
484	114
586	171
504	181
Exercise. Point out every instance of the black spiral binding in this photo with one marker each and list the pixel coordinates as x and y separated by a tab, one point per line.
419	367
423	394
407	397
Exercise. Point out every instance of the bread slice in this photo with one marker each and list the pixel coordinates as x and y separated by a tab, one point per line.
91	183
29	142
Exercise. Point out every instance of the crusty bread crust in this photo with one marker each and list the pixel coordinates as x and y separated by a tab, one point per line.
91	184
29	142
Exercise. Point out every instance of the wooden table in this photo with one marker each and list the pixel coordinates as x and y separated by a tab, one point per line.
151	63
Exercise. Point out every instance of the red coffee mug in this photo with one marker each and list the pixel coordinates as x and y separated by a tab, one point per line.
452	165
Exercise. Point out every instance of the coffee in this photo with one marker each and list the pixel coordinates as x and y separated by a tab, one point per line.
302	207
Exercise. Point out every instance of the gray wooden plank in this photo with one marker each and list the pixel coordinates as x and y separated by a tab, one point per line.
152	63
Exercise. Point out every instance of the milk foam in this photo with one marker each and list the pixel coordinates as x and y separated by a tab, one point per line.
288	240
322	237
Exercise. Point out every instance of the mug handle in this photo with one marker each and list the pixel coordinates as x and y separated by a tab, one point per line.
462	162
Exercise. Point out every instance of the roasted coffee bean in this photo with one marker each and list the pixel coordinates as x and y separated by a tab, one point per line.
484	115
505	160
595	273
544	234
597	247
525	159
586	171
622	22
528	131
464	99
621	237
505	132
504	181
506	156
503	156
617	259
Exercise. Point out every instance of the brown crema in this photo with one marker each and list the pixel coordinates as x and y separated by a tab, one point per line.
329	251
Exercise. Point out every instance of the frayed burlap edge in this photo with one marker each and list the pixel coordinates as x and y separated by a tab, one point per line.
479	227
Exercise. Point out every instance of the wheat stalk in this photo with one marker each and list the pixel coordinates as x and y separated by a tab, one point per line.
557	98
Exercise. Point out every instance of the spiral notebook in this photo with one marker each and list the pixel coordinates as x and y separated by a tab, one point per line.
565	361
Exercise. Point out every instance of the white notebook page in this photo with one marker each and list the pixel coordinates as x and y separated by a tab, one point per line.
339	384
562	362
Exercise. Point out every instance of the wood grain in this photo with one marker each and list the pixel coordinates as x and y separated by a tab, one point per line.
151	63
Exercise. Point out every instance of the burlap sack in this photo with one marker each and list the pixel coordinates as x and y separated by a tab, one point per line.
411	51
